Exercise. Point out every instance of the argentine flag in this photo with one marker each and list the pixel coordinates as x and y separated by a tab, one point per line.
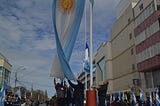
110	98
123	96
19	93
119	95
86	60
150	97
157	98
67	15
134	98
2	93
141	95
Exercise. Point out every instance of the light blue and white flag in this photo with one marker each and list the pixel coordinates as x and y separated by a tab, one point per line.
123	96
114	97
150	98
134	98
142	95
119	95
157	98
86	61
111	97
2	92
67	15
19	93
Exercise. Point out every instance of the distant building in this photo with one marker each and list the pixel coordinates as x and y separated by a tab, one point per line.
5	70
147	41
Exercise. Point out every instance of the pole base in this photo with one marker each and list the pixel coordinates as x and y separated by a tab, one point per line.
91	98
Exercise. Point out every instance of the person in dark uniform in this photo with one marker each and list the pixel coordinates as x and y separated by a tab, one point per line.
78	92
102	89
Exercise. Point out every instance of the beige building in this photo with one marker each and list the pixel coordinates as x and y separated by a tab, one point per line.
123	51
116	59
5	70
104	64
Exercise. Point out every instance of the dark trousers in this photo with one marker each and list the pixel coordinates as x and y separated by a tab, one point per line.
101	101
79	102
60	101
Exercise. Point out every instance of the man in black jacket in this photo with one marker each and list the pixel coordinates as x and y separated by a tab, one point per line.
102	89
78	93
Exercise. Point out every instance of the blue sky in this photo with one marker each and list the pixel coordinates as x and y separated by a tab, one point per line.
27	38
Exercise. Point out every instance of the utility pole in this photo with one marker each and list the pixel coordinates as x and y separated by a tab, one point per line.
18	69
15	78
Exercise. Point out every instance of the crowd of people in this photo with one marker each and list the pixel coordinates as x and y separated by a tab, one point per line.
68	95
72	94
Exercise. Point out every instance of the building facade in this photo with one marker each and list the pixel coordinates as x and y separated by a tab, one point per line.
147	41
5	70
124	68
104	64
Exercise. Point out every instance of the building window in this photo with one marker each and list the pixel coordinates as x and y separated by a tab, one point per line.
141	7
101	65
133	67
1	68
129	20
148	79
130	36
132	51
156	78
158	7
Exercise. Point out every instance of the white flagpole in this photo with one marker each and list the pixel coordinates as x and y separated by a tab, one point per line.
91	79
85	43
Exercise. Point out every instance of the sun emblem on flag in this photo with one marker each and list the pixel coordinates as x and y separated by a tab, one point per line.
66	5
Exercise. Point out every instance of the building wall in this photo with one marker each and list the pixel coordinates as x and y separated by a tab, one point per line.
104	52
123	51
124	82
123	4
122	22
147	40
137	9
5	71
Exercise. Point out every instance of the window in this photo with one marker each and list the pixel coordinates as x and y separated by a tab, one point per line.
101	65
141	7
132	51
129	20
148	80
156	77
130	36
133	67
1	68
158	7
